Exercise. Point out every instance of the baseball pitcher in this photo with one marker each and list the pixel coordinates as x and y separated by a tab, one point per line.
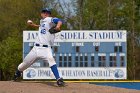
42	47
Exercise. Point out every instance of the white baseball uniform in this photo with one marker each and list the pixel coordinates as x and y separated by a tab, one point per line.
40	52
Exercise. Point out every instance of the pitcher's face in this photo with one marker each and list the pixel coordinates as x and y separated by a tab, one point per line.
43	15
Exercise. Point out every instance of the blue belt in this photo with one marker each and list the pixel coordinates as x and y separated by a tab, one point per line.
41	45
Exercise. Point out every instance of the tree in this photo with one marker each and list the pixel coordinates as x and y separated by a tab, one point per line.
14	14
117	15
11	55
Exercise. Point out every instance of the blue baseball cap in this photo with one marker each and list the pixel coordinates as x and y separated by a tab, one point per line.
46	10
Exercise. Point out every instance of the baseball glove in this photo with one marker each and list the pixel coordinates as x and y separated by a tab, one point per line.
53	30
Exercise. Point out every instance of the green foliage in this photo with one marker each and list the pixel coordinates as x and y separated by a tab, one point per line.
117	15
14	14
11	55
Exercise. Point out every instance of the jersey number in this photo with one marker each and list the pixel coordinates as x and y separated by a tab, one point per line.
43	31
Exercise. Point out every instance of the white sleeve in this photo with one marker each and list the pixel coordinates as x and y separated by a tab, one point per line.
49	19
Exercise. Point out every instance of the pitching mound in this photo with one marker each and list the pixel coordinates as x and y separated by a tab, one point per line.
50	87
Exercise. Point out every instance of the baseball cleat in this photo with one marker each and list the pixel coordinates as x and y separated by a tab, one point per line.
60	82
16	75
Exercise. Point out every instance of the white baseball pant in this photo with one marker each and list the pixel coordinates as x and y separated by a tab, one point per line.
44	53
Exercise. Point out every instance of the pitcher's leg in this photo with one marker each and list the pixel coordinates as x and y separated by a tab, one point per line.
28	61
48	57
53	66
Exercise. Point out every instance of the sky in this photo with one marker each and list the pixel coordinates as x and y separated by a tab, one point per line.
68	2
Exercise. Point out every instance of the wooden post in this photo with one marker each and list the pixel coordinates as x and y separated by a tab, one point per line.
0	74
133	42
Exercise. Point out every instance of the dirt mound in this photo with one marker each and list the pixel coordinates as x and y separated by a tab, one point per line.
51	87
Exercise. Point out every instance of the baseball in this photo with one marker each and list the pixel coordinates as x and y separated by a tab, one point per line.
29	21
